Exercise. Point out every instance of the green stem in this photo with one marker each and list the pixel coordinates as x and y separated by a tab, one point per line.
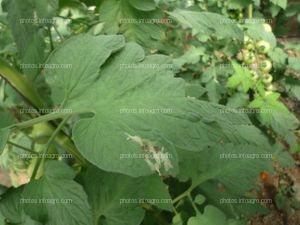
50	37
47	146
20	84
188	192
30	94
21	147
193	204
62	139
66	143
250	11
174	209
48	117
182	195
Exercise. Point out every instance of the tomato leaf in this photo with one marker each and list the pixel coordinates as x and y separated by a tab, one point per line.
208	23
242	76
137	21
23	17
138	108
57	199
116	198
281	3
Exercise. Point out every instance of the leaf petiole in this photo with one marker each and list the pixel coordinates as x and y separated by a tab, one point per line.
250	11
193	204
48	117
47	146
21	147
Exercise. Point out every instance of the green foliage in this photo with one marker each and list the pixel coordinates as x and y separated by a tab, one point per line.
118	199
292	86
281	3
58	198
222	165
258	32
276	115
211	216
242	76
294	63
26	19
279	58
146	112
133	19
131	100
206	23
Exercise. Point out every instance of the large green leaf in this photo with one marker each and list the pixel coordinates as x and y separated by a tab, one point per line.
2	220
138	107
116	199
70	83
146	5
211	216
192	56
208	23
57	199
281	3
292	86
279	58
294	63
46	8
134	19
214	90
286	125
229	202
23	17
225	163
12	209
156	192
10	206
236	169
275	115
107	195
235	125
238	100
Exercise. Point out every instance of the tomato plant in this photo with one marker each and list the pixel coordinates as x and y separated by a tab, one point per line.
154	112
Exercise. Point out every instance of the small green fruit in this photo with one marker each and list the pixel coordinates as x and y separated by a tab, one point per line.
240	15
254	75
41	133
248	40
270	87
267	27
240	56
248	43
249	57
249	46
265	66
263	47
267	79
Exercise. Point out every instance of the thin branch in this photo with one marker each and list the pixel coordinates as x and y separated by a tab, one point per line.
47	146
21	147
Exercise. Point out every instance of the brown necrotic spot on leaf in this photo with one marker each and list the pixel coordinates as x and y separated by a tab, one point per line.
154	155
